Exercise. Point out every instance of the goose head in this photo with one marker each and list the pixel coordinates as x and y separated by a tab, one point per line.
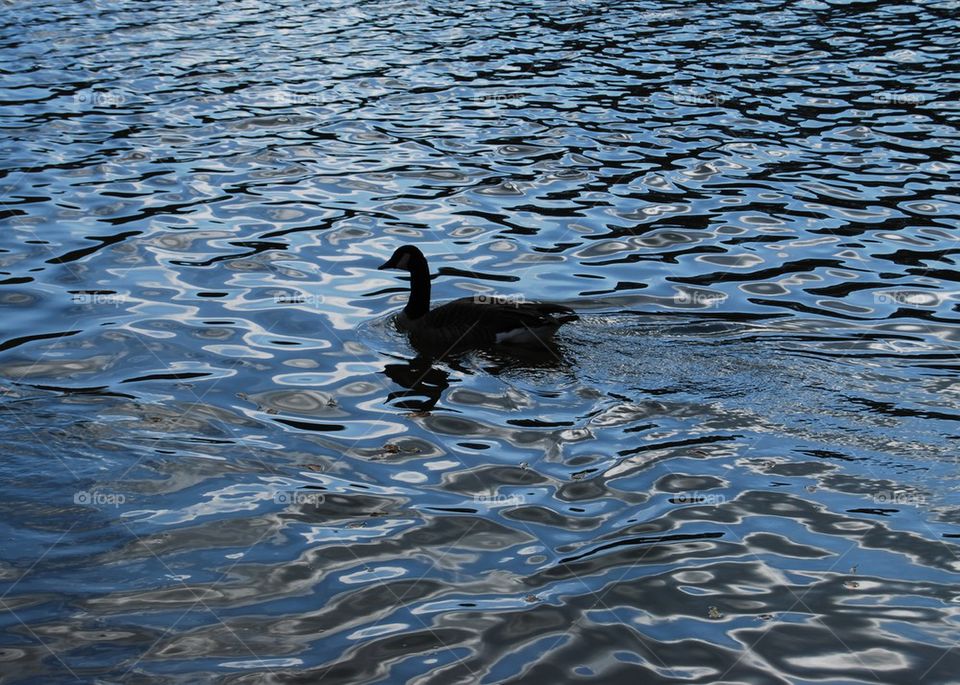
411	259
407	258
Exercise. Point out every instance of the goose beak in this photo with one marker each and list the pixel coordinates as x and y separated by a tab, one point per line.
386	265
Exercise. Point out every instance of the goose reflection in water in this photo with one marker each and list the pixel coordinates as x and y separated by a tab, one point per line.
426	377
421	379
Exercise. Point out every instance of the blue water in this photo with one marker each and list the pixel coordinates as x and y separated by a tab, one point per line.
222	464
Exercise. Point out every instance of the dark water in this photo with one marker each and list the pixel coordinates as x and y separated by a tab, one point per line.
221	465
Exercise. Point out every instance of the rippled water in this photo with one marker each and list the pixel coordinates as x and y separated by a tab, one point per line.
221	464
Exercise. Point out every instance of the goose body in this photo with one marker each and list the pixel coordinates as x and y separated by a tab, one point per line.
470	322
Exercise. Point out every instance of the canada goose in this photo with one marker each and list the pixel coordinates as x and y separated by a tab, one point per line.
470	322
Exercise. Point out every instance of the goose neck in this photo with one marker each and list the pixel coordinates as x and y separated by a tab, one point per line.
419	302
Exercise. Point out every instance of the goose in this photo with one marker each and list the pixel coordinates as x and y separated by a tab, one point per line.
470	322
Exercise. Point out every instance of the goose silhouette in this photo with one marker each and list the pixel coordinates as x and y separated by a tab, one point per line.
470	322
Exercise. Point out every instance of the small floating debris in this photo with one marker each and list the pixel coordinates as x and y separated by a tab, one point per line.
714	614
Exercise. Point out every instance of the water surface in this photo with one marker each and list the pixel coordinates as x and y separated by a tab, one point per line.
222	465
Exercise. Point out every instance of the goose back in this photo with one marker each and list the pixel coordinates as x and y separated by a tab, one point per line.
466	323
